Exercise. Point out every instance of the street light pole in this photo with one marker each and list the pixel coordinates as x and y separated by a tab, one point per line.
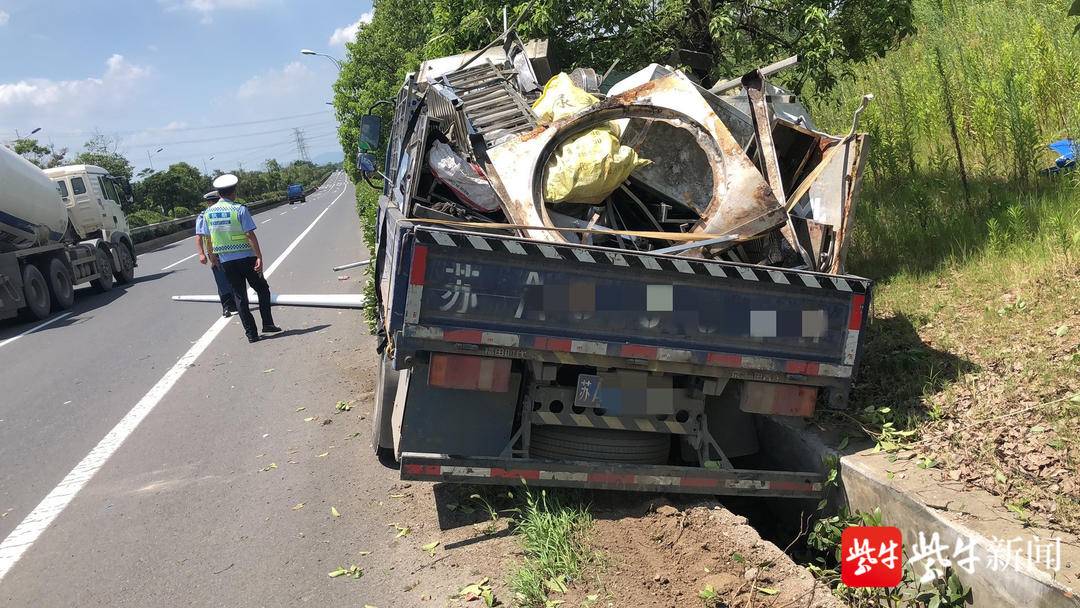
150	158
337	62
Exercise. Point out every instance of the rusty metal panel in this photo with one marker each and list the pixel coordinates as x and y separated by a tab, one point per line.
740	201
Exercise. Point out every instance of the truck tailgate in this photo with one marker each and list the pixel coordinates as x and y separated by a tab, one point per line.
471	288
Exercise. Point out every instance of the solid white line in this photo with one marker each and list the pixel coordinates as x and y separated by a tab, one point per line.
35	328
30	528
180	261
282	213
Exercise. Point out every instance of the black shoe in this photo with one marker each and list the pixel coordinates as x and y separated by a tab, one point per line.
271	329
253	338
226	313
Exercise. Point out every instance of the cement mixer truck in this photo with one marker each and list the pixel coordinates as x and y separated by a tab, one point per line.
59	228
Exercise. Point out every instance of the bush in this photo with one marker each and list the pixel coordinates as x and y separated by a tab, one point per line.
178	212
144	217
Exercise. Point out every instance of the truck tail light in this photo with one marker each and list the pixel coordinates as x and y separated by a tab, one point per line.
778	399
470	373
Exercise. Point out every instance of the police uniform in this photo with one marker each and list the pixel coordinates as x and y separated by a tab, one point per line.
225	292
228	225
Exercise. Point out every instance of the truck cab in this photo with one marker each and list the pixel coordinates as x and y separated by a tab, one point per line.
94	199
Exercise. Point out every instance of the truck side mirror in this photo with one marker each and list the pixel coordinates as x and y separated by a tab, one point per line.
370	132
366	163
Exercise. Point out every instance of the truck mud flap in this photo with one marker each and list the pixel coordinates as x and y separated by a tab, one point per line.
610	476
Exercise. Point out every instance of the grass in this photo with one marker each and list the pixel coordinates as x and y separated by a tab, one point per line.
974	364
552	536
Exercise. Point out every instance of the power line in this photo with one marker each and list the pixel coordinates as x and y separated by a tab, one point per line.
220	137
182	129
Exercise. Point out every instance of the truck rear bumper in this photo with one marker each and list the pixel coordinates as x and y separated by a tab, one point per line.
610	476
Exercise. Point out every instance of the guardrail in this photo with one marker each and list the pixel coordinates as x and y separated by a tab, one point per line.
160	229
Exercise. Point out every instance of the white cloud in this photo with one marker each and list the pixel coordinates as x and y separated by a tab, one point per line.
348	33
206	8
116	83
174	125
4	17
293	78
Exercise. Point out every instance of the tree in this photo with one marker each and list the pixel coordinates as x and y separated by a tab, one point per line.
181	185
41	155
102	150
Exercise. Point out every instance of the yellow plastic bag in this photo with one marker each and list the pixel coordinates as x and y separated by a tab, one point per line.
587	167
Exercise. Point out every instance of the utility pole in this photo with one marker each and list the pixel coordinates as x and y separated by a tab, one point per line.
301	146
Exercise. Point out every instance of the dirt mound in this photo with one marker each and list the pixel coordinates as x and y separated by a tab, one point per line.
668	557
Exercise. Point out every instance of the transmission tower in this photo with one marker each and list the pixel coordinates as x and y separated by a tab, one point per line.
301	145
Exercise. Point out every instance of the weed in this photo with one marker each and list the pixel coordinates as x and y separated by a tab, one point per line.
552	536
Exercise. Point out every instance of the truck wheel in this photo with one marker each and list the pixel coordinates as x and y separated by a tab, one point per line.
386	383
60	285
36	292
104	282
606	445
127	265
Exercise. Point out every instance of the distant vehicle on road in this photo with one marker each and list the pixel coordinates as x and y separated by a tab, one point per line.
59	228
296	193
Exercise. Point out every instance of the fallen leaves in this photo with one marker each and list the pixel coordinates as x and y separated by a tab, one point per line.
402	531
268	371
323	455
353	571
479	590
310	418
334	512
301	408
343	406
430	548
298	506
270	467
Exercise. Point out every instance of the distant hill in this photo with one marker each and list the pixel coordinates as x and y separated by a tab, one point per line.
330	156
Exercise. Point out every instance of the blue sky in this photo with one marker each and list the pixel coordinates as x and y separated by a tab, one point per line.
168	73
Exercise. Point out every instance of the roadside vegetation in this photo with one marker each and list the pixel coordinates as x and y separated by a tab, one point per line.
972	358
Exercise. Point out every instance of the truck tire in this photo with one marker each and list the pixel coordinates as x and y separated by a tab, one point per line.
36	292
104	282
127	265
61	287
386	383
606	445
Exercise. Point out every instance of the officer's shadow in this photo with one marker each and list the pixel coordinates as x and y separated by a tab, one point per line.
294	332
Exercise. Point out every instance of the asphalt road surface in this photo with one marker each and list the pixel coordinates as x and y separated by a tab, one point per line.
152	457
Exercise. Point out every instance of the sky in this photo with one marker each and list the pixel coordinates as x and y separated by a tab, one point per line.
198	78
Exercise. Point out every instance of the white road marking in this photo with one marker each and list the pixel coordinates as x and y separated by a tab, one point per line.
35	328
267	220
180	261
282	213
31	527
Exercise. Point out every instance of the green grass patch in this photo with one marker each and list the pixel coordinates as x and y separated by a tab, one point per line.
552	536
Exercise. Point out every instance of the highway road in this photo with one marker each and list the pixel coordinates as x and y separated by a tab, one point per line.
153	457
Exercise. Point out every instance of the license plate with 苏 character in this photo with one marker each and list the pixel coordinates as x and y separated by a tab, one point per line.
588	391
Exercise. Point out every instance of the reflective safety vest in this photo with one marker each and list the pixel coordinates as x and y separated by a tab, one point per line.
226	233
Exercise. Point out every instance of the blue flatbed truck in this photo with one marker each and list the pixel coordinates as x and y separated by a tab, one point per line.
506	358
295	193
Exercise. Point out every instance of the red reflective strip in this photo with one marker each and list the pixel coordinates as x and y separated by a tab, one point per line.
559	344
855	321
423	469
791	486
699	482
805	368
725	360
419	265
515	474
469	373
627	479
468	336
633	351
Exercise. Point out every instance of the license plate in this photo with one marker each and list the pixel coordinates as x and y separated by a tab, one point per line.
587	393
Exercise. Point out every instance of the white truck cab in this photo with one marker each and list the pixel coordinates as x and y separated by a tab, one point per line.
93	197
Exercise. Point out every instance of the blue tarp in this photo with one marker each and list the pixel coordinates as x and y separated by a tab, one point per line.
1067	149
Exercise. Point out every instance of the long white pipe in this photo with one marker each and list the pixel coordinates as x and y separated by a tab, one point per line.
352	265
327	300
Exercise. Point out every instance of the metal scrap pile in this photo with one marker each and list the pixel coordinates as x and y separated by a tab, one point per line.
652	162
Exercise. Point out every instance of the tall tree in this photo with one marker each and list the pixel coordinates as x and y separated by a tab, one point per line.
41	155
103	150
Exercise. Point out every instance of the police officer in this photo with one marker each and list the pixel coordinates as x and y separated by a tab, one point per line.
236	248
225	292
